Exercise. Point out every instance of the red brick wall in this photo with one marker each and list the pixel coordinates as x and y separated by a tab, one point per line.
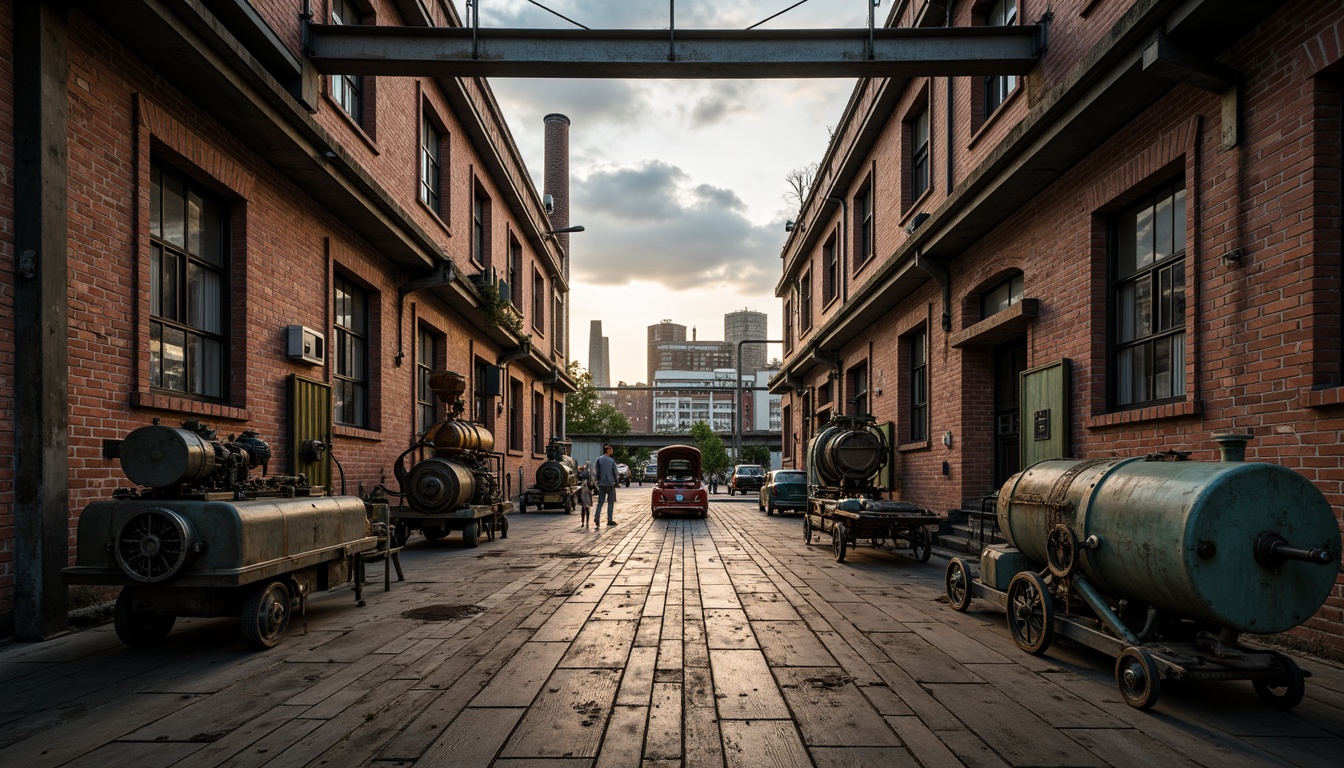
286	250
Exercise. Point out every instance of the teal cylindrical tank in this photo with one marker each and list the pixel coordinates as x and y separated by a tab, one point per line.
1197	540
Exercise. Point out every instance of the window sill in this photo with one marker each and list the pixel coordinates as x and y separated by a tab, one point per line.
358	433
913	445
996	115
1180	410
435	215
1327	397
909	212
188	406
354	126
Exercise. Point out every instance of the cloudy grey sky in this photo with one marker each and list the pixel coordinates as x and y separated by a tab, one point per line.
680	184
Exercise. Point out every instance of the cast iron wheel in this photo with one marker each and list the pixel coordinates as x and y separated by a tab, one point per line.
807	529
503	527
957	582
138	629
1061	551
1031	615
839	542
469	534
434	532
266	615
1137	677
921	545
1286	692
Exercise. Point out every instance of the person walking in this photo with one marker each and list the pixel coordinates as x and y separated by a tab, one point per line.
605	468
585	491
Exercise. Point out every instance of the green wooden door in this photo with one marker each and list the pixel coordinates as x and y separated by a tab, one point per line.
1045	413
310	418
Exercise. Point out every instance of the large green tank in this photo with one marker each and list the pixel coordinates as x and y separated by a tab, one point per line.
1250	546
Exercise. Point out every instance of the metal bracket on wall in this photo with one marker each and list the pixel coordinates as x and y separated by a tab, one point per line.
444	274
1166	59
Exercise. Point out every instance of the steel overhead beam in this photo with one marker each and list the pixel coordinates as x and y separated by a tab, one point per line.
695	53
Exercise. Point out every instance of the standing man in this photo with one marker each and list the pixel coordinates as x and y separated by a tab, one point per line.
605	467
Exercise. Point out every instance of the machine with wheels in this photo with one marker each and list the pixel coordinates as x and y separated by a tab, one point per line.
1163	564
844	500
202	538
557	485
456	482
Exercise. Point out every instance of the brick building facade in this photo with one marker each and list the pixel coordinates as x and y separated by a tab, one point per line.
177	188
1152	215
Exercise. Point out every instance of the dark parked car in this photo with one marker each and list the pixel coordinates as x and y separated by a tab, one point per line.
747	478
650	473
679	488
784	489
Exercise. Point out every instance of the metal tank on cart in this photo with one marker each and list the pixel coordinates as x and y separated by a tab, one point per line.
557	485
1163	563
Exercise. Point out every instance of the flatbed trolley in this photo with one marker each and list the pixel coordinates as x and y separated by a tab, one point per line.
849	521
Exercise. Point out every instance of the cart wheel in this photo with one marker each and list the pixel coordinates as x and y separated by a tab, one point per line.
1283	693
957	582
921	545
1061	551
138	629
469	534
807	529
503	527
266	615
839	542
1137	677
1031	615
434	532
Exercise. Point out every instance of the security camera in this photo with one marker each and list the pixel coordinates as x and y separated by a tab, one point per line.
548	204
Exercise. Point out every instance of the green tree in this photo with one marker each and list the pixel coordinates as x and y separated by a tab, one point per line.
586	414
713	456
756	454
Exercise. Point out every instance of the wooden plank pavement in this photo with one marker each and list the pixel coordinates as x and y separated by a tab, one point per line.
722	643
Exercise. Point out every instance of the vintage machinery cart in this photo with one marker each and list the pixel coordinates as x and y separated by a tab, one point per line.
557	485
845	499
459	485
201	538
850	522
1163	565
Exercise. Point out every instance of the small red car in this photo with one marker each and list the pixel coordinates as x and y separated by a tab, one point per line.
678	488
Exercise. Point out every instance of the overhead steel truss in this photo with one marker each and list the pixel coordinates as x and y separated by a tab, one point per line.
689	53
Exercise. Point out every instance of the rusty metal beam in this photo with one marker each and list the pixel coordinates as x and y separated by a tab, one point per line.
695	53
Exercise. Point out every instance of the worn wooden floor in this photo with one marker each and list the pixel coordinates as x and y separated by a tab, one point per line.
724	643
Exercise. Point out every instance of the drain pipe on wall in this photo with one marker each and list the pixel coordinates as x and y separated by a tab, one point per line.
943	277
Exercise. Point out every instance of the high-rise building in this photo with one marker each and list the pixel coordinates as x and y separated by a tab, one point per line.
664	331
599	355
746	325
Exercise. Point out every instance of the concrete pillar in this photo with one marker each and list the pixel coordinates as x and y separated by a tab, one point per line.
41	416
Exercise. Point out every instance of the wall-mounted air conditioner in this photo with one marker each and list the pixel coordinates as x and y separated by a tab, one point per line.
305	345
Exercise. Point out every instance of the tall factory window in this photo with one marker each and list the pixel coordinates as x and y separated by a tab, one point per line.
515	279
351	91
919	154
786	428
788	325
480	227
557	322
865	232
538	423
538	301
431	163
858	387
350	385
427	406
1148	296
805	302
917	351
997	87
829	271
515	415
188	297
